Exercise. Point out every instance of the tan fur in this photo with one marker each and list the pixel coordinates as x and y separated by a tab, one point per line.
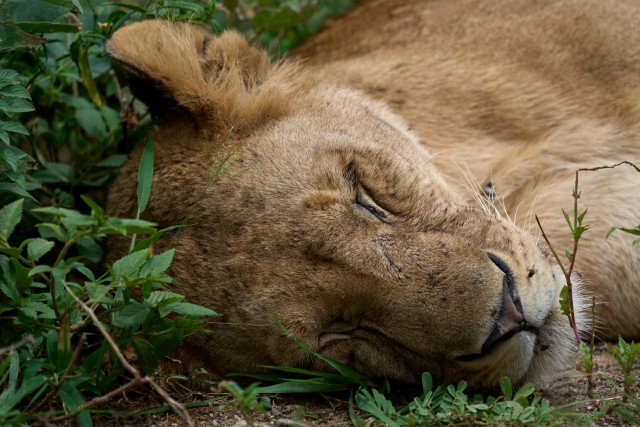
509	94
520	94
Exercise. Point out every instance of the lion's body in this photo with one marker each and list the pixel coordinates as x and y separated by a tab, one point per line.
335	219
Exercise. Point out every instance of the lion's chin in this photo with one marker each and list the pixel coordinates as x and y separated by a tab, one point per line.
512	357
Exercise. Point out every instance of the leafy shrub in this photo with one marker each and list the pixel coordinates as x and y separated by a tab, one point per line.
67	123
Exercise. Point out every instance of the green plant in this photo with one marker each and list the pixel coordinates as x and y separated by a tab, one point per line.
248	400
14	182
575	221
625	353
48	302
67	122
577	228
449	405
629	410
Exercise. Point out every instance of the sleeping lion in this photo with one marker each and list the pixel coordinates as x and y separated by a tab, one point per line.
342	191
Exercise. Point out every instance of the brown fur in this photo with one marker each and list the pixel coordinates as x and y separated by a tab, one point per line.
283	231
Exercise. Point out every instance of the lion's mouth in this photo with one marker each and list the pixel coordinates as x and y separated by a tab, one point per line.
488	349
509	319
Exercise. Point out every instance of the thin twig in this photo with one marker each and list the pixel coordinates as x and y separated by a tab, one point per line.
137	378
567	278
16	345
624	162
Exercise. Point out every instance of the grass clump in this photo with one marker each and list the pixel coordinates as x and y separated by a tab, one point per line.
450	405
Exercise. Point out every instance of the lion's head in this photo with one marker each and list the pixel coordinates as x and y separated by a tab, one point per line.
330	217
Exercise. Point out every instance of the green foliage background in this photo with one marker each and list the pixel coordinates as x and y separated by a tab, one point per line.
67	123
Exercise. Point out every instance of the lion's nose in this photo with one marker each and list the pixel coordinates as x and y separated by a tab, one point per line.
510	319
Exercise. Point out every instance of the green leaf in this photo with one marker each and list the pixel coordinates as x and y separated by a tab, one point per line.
12	37
38	247
55	172
22	278
7	75
67	3
581	216
8	157
366	402
187	309
14	127
10	216
16	189
90	120
95	208
39	269
19	105
72	399
524	392
90	249
131	316
46	27
111	118
568	254
15	91
158	264
128	265
160	298
98	293
86	77
8	287
316	385
632	231
505	386
427	383
146	355
113	161
34	309
145	176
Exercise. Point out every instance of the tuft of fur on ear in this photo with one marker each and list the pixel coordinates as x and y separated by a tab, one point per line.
222	82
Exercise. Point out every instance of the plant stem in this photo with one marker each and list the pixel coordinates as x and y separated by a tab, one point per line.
137	378
567	277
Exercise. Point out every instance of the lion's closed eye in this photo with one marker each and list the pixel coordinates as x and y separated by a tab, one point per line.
363	200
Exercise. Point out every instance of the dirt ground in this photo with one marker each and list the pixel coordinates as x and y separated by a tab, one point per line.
333	411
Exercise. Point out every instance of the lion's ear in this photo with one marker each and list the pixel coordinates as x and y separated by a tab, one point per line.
178	68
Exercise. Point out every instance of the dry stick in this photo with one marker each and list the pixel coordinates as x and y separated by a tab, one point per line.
24	341
137	378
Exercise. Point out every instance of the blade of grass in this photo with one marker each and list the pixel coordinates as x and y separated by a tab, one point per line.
145	178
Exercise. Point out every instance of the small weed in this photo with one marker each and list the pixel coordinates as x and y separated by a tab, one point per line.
248	400
449	405
625	353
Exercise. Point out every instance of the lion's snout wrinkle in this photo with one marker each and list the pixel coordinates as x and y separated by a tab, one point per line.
362	223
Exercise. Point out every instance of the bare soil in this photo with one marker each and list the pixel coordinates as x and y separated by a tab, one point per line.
333	411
